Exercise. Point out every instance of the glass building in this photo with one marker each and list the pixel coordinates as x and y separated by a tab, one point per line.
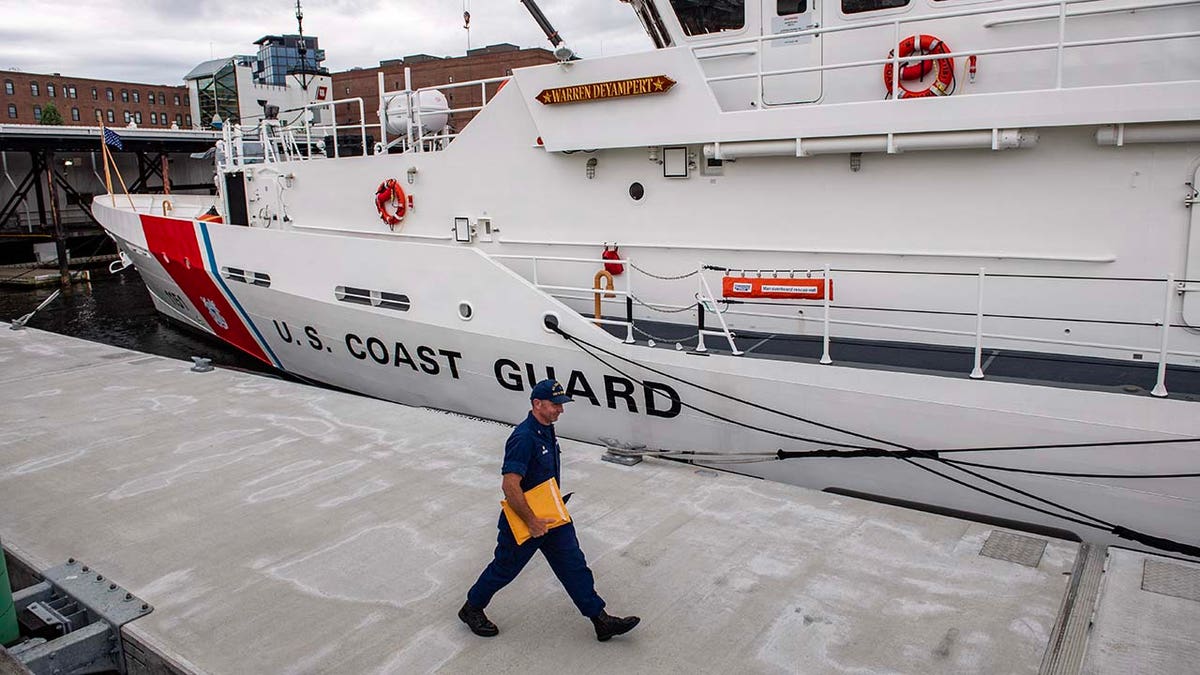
216	89
279	56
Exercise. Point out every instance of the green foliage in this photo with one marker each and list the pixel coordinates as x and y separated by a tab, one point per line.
50	115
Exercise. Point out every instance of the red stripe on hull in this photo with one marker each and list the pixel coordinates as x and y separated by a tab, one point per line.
174	243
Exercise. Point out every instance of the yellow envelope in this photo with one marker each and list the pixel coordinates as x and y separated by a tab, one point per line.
545	501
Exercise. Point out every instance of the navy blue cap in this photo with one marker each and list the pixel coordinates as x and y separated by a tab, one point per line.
549	390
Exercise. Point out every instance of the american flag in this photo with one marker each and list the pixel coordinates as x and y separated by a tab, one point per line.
111	138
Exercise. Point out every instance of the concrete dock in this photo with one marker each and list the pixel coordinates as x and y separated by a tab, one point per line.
282	528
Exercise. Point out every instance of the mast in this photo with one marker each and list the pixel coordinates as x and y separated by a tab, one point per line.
303	48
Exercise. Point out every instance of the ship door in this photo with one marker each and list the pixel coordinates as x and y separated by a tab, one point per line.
789	16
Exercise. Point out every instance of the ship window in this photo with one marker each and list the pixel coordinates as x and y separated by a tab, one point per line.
246	277
856	6
700	17
788	7
363	296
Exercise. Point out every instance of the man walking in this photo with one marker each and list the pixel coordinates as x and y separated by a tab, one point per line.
531	457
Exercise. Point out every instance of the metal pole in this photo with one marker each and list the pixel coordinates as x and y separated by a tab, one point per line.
60	239
408	119
629	319
1160	385
383	141
896	62
759	79
1062	36
629	307
38	164
977	371
825	338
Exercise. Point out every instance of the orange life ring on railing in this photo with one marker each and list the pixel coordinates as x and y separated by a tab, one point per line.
390	193
922	45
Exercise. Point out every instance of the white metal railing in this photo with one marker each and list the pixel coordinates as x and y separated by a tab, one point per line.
415	139
1058	46
334	127
278	141
597	293
706	302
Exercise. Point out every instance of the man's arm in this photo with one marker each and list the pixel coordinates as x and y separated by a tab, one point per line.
516	499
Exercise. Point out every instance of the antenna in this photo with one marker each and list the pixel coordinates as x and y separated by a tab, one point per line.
303	48
467	21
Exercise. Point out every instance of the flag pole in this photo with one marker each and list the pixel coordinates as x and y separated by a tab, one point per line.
104	156
123	186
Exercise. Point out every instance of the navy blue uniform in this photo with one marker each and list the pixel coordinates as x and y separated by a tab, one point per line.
532	452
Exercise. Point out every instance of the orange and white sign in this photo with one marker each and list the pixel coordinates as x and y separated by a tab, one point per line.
780	289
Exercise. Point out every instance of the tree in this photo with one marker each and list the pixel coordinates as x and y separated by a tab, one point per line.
50	115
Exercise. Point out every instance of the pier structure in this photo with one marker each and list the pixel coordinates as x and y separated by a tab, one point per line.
270	526
50	174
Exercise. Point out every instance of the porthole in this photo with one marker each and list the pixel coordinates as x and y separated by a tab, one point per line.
636	191
465	311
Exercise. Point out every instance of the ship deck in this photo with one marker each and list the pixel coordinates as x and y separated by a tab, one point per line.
1056	370
277	527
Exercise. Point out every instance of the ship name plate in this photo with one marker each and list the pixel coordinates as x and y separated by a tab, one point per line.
598	91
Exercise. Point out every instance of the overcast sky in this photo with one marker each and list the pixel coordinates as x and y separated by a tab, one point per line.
159	41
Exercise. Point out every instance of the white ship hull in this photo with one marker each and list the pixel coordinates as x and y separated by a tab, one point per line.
483	367
1024	253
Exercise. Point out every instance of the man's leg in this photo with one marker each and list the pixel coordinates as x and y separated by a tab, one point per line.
561	548
507	563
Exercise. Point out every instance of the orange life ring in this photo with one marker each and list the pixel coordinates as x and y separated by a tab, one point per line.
390	192
922	45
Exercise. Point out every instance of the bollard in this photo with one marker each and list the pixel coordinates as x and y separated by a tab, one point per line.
9	633
202	365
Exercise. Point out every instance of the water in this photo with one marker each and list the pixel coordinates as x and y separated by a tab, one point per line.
116	309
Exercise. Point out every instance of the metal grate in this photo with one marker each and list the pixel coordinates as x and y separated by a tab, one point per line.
1014	548
1171	579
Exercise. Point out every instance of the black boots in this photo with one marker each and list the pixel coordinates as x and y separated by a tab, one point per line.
478	622
608	626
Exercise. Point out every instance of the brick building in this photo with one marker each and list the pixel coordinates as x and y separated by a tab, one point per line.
23	96
486	62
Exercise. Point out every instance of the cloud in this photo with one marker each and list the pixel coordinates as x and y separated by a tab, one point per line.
159	41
